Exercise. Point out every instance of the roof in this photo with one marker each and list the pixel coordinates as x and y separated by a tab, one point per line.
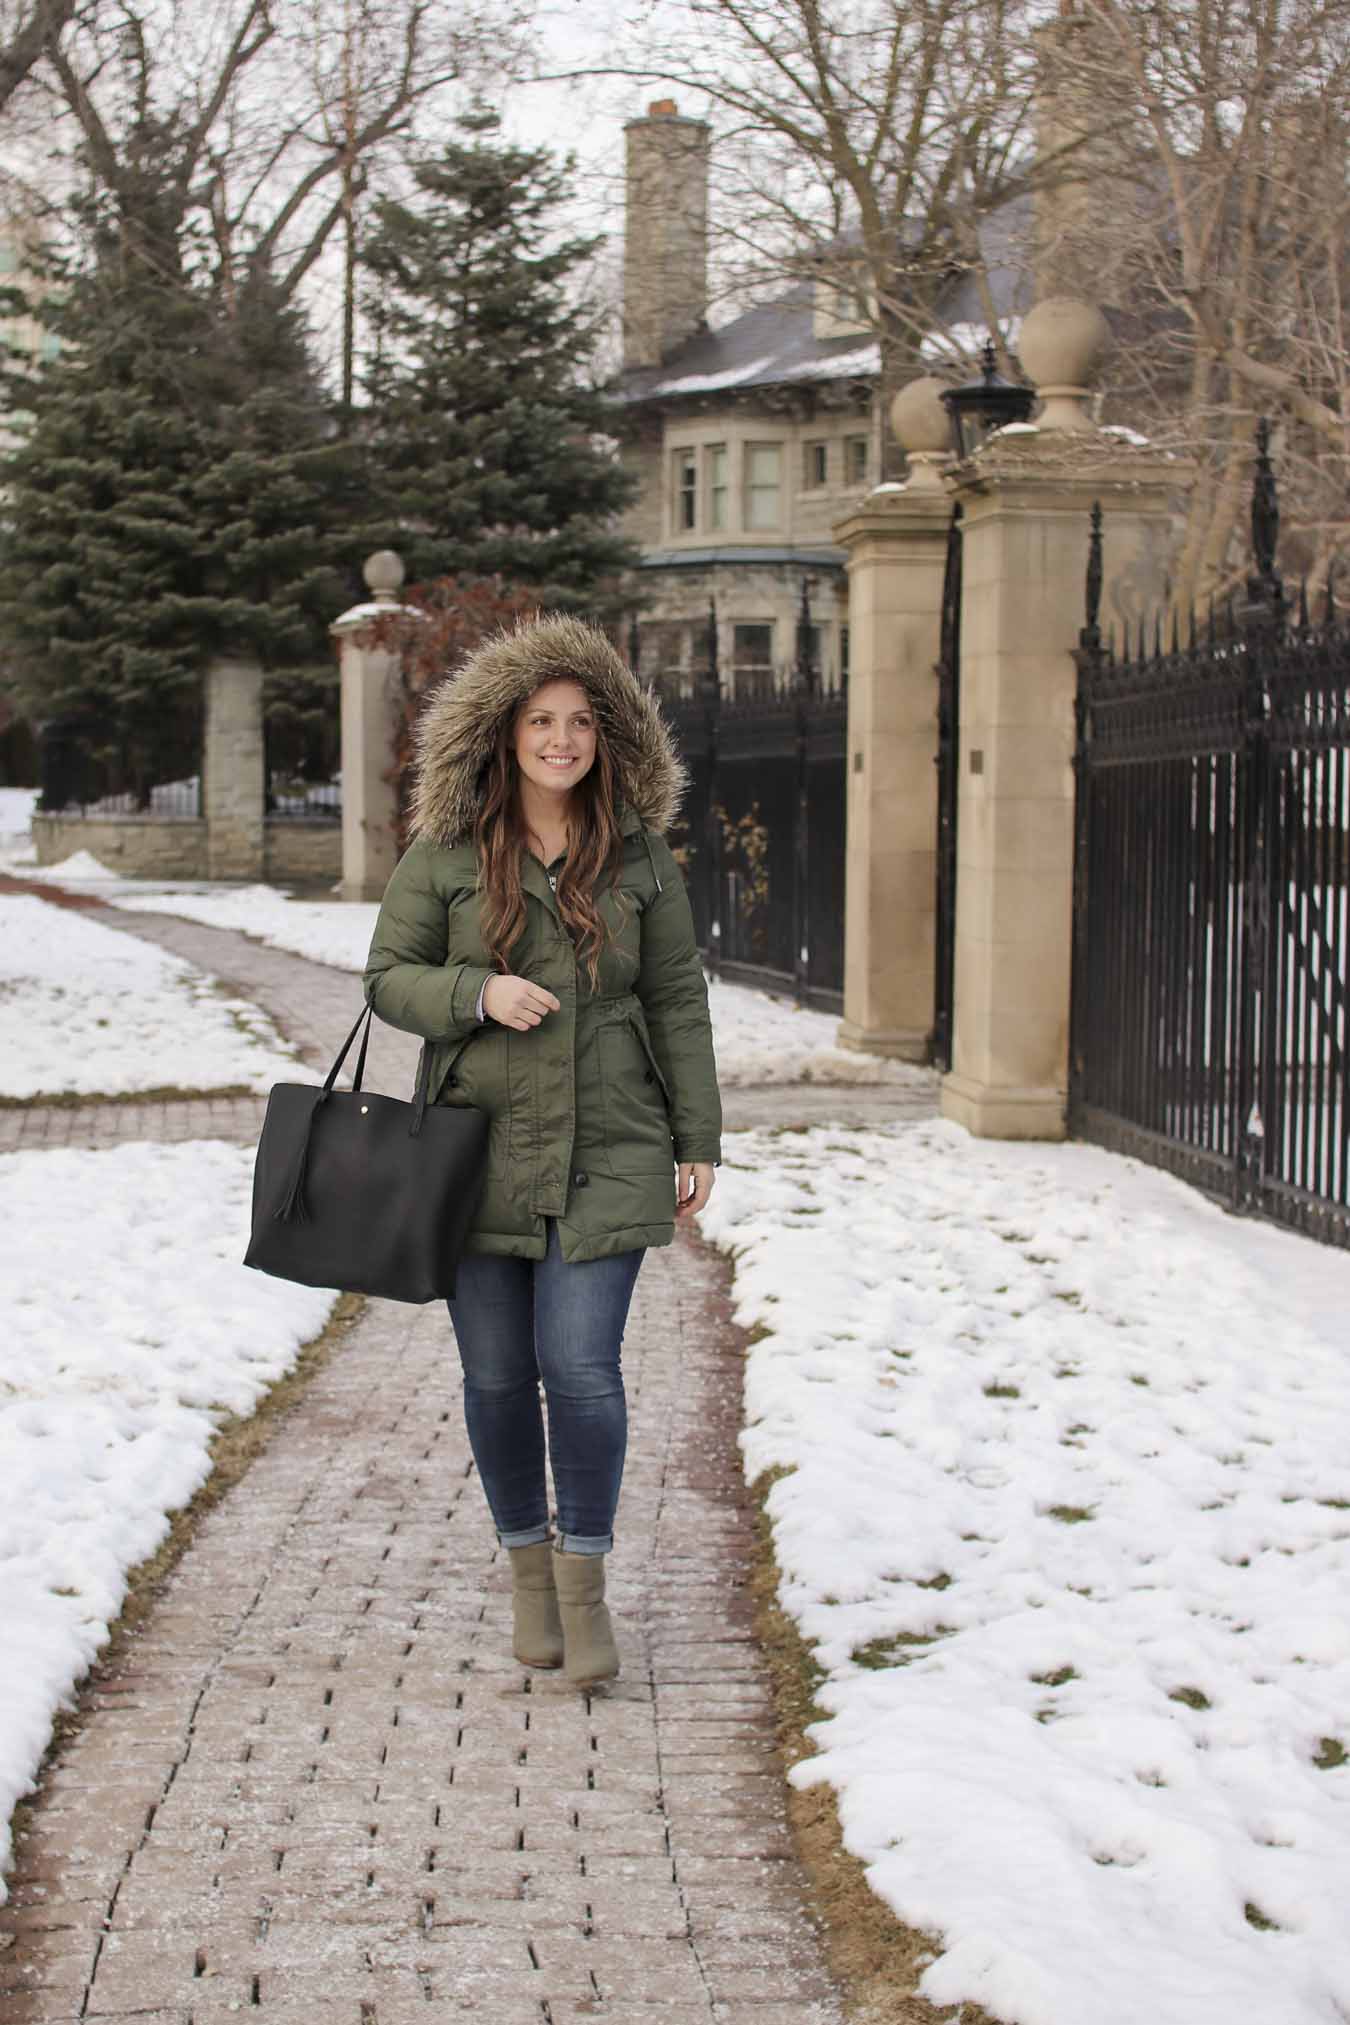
774	344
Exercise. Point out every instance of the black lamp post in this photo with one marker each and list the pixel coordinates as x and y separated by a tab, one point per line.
804	669
981	406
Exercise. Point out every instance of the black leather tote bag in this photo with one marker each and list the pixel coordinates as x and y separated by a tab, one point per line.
366	1193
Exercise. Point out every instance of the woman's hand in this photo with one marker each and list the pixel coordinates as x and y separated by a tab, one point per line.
515	1002
693	1187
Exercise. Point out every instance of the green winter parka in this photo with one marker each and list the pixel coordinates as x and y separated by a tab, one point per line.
590	1110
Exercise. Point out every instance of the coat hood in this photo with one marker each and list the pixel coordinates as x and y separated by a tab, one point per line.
458	729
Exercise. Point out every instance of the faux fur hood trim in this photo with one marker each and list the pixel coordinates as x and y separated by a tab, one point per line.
457	731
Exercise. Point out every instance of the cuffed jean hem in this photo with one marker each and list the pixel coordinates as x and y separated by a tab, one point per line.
585	1543
529	1536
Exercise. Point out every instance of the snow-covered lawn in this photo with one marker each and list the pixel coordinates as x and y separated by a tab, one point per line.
759	1039
1067	1525
16	816
85	1010
130	1328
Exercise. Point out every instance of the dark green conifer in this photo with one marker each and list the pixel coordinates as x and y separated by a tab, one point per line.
486	428
175	490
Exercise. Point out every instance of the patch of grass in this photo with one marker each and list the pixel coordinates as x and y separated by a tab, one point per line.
935	1582
1071	1515
1335	1504
879	1653
1331	1754
233	1448
876	1960
1194	1698
1056	1679
997	1391
167	1093
1137	1378
1256	1918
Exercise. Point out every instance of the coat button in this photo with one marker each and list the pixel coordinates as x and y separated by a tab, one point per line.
647	1076
579	1180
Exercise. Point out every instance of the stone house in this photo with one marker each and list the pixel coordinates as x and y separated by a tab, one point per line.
752	441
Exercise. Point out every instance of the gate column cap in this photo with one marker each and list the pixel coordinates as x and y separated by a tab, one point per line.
922	428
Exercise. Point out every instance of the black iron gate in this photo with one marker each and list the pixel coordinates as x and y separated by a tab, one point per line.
948	763
1212	896
762	836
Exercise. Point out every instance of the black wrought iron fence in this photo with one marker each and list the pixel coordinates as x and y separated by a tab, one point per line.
1212	895
302	750
89	767
762	836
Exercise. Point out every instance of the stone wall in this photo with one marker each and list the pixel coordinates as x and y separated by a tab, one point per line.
302	853
159	848
140	847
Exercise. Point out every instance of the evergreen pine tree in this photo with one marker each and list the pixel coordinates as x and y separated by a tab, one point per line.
484	426
175	490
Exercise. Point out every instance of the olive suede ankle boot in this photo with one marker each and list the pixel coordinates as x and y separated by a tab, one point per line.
537	1633
590	1654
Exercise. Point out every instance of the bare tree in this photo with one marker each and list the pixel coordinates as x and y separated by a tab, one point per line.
866	146
1214	223
268	113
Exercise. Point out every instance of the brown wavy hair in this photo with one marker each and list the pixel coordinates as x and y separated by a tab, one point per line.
595	851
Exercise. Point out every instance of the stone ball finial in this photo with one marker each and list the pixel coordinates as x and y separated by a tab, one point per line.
919	422
1063	341
384	574
1061	345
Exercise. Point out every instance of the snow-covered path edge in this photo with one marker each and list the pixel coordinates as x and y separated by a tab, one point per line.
1067	1526
131	1332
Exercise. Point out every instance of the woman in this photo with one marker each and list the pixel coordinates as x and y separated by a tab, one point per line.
539	910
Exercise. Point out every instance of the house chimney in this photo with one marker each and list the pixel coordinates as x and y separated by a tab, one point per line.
665	261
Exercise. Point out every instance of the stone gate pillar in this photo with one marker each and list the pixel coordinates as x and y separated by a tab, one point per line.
233	786
897	545
370	677
1027	497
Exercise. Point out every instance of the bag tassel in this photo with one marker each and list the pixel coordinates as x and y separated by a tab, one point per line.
292	1208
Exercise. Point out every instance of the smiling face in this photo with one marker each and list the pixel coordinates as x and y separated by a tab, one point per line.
555	737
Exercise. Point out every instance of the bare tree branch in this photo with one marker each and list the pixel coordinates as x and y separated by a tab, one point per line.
38	32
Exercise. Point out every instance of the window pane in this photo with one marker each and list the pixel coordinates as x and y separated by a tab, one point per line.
763	467
752	659
817	465
717	486
857	460
686	502
752	646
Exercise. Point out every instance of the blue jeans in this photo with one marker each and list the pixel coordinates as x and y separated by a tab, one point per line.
518	1321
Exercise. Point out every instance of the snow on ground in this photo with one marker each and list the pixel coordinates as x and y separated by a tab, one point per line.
130	1328
1068	1528
759	1038
16	817
86	1010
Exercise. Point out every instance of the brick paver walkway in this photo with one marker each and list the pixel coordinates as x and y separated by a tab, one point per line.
317	1787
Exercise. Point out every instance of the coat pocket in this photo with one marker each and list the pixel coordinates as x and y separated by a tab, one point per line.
636	1115
653	1066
